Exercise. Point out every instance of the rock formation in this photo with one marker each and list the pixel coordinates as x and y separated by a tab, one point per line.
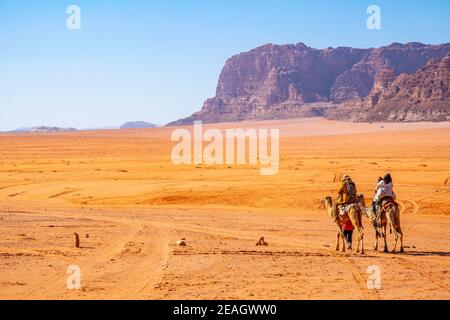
421	96
285	81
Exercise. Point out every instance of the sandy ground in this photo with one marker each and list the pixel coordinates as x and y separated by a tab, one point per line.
121	189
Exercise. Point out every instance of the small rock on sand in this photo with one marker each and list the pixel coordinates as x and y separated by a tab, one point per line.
262	242
181	243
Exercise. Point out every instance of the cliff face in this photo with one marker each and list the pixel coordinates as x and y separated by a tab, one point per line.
421	96
274	74
285	81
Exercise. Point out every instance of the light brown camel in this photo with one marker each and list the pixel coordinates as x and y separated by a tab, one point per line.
355	215
391	215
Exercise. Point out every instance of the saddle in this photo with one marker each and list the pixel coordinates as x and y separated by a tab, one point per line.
385	203
343	212
383	207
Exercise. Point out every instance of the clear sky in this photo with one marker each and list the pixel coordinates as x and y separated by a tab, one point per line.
158	61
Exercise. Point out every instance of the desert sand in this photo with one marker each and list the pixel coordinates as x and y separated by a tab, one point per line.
121	189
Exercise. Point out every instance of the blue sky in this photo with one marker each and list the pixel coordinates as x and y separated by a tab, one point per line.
158	61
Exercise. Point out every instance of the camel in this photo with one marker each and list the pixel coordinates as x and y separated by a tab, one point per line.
390	215
355	215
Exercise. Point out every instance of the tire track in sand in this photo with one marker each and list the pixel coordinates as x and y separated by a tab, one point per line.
133	280
356	274
369	294
56	284
412	267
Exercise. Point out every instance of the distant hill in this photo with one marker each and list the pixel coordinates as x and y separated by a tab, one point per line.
101	128
126	125
23	129
137	125
45	129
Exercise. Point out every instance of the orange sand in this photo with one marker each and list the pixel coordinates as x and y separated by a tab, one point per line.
121	188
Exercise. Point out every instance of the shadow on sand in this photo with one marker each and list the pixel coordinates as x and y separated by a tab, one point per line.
427	253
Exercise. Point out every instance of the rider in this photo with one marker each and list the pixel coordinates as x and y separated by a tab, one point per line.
383	191
346	195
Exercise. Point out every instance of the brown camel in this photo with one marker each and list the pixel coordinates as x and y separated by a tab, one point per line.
390	214
355	215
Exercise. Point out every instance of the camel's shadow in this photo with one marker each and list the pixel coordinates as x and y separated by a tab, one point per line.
427	253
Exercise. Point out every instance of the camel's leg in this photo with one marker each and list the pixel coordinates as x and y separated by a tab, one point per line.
400	232
361	238
401	242
393	226
356	225
338	234
401	239
343	241
359	242
396	240
361	233
396	237
376	239
385	238
355	217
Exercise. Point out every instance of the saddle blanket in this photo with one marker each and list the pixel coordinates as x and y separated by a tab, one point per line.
345	209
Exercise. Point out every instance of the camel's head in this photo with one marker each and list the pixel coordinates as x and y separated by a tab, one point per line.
328	201
360	200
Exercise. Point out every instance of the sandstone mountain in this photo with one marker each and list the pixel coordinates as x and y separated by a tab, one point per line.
422	96
283	81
